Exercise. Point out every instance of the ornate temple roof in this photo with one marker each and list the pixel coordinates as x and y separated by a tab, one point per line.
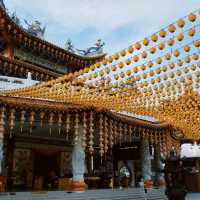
10	31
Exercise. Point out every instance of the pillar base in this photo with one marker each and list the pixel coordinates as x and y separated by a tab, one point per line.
148	184
79	186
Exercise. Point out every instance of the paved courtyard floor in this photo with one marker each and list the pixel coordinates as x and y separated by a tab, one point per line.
193	196
127	194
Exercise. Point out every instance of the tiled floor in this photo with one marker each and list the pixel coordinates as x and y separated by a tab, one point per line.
107	194
193	196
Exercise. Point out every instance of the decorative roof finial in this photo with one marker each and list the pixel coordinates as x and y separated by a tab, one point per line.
2	5
35	29
69	46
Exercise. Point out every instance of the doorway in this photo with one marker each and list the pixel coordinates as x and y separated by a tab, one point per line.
46	169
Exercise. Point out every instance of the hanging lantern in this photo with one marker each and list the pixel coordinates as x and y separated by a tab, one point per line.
161	46
67	126
176	53
41	119
180	37
152	50
144	54
170	41
191	32
12	121
192	17
168	56
123	52
137	45
91	130
51	122
196	43
22	120
181	23
84	131
59	123
130	49
171	28
145	41
154	38
111	134
101	140
162	33
186	48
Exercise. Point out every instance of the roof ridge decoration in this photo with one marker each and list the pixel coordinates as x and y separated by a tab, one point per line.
59	52
2	5
91	51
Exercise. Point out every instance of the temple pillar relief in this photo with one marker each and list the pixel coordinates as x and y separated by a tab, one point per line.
160	181
146	163
2	129
78	164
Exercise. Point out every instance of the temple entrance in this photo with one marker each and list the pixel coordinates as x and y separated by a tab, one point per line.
46	169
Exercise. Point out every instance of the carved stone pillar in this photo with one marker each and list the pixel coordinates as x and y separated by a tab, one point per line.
2	129
160	181
78	164
146	163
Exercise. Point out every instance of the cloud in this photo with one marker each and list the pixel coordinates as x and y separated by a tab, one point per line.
118	22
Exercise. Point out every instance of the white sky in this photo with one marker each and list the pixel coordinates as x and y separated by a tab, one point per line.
117	22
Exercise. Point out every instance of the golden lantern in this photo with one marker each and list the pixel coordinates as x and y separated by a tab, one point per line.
150	64
192	17
187	59
170	42
154	38
135	58
137	45
113	68
171	65
130	49
159	60
116	56
152	50
104	62
143	67
128	72
161	46
195	56
128	61
180	37
178	73
186	48
135	69
191	32
146	41
176	53
158	71
171	28
181	23
168	56
162	33
110	59
144	54
179	62
164	68
123	52
120	65
196	43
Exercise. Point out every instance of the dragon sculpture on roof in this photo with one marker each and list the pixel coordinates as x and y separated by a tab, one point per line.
2	5
34	28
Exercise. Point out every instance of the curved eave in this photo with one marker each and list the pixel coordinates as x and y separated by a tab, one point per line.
19	64
49	47
61	106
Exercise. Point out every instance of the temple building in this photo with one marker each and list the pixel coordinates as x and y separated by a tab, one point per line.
52	145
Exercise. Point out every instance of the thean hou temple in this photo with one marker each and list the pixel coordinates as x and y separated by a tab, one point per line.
89	119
